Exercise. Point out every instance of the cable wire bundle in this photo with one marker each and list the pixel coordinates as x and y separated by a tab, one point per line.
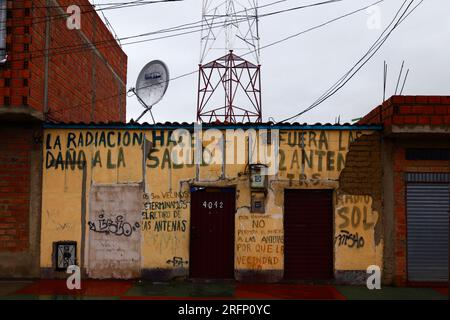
402	13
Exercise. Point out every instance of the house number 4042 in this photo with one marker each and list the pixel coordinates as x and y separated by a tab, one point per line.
213	204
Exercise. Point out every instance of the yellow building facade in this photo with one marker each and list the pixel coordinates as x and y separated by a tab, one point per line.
129	202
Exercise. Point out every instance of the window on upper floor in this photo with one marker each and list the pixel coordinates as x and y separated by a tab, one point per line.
427	154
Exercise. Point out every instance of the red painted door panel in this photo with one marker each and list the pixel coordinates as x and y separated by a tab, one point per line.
212	234
308	234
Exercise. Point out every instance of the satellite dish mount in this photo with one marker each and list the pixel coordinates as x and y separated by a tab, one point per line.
151	85
146	107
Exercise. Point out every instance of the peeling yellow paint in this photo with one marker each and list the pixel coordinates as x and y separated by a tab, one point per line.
309	160
355	222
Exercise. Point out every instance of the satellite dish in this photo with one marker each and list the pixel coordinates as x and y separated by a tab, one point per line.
151	85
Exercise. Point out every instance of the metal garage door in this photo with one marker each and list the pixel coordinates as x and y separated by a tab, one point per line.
427	200
212	233
308	234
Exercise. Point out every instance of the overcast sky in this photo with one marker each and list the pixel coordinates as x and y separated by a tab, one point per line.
296	72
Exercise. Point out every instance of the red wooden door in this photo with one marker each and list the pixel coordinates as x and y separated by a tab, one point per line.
212	233
308	234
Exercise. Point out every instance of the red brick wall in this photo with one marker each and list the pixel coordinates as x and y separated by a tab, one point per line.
15	146
76	91
400	216
12	74
413	110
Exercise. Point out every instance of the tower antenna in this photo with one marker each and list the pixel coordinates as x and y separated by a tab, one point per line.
229	87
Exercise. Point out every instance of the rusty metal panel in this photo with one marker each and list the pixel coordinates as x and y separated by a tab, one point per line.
114	231
308	234
212	233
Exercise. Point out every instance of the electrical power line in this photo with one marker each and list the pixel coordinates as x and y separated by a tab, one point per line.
111	28
45	18
125	92
71	49
317	26
195	24
110	97
369	54
368	51
195	71
108	4
104	43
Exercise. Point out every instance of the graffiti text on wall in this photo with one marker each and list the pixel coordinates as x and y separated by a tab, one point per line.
67	152
354	239
352	214
258	246
177	262
345	238
179	148
117	227
306	156
163	212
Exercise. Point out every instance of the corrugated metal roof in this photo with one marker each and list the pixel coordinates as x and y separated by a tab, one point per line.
186	125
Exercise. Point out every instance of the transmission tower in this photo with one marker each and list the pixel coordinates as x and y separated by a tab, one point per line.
229	88
229	25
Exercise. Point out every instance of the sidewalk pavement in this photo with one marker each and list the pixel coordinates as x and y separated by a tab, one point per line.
144	290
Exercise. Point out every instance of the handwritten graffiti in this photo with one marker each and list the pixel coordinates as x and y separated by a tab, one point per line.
156	209
313	152
177	262
179	148
105	139
77	160
67	152
319	160
272	239
117	227
345	238
165	225
164	212
259	244
317	139
355	212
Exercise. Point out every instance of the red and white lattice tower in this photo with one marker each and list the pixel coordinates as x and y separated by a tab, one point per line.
229	88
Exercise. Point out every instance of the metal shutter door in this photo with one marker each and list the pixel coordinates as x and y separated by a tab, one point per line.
427	227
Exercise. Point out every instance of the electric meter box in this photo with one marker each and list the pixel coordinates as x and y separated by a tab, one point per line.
257	202
257	179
